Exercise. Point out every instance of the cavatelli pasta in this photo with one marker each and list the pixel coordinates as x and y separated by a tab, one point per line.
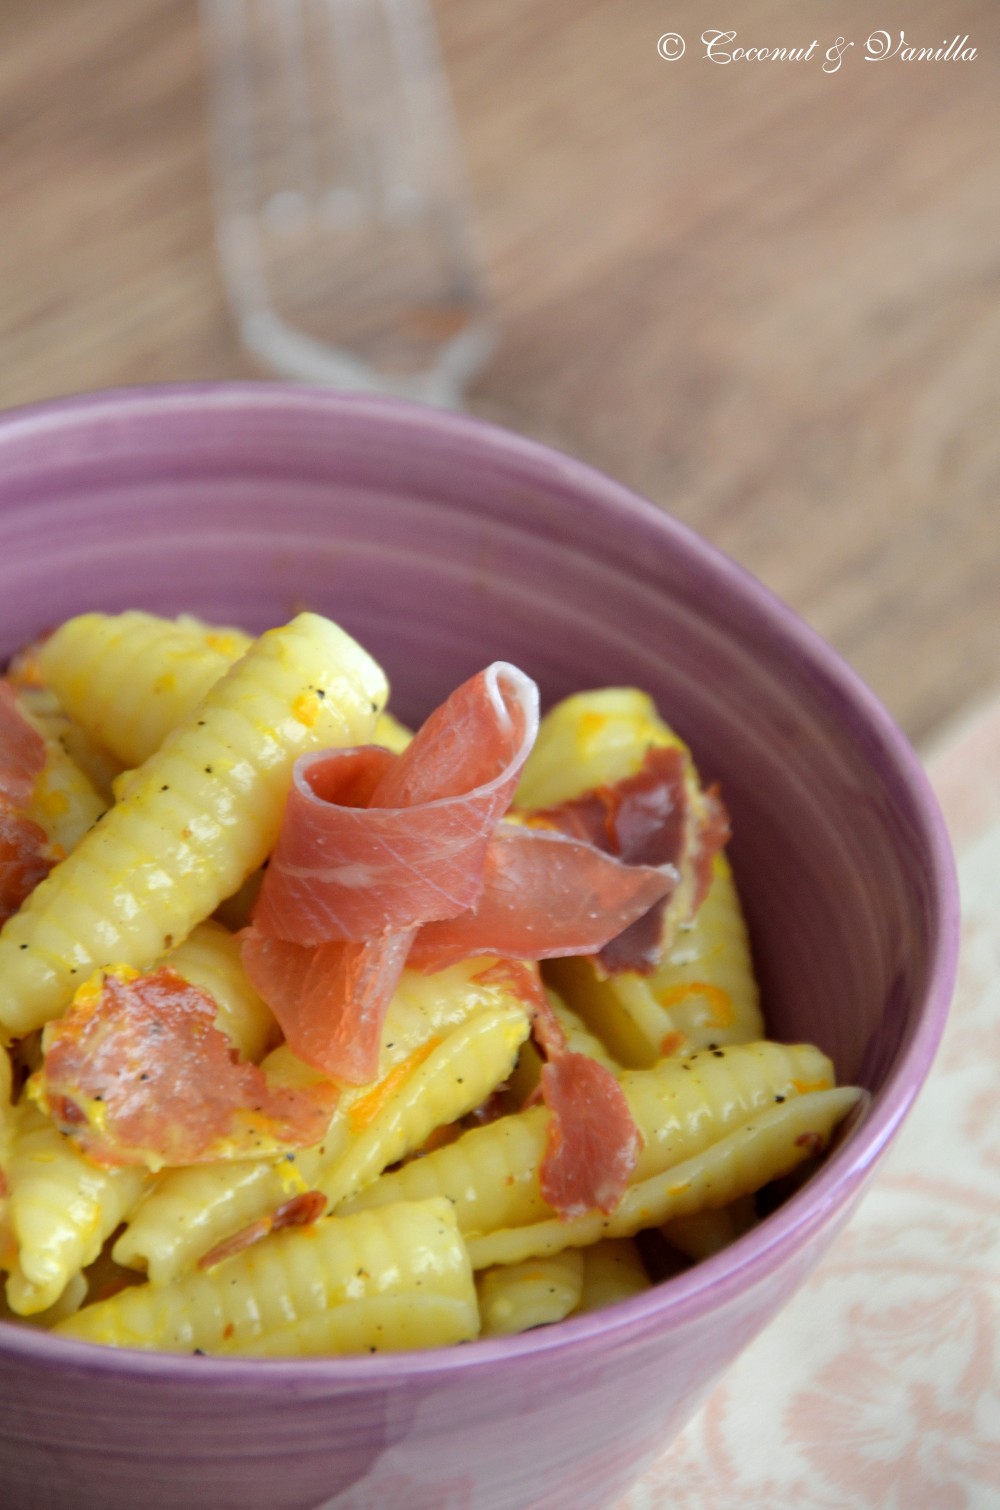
521	1296
768	1145
64	803
165	856
191	1211
292	1277
703	1233
681	1107
386	1323
128	679
702	992
450	1079
613	1270
210	958
62	1207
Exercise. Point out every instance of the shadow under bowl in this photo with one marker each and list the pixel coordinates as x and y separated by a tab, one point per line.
443	544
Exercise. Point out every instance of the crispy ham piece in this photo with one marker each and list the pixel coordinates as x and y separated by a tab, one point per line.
24	858
136	1072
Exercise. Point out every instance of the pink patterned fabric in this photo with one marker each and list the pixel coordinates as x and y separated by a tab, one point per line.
879	1385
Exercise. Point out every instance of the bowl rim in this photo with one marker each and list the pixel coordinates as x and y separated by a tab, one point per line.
713	1283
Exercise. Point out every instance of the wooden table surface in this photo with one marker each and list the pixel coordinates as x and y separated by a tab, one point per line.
764	295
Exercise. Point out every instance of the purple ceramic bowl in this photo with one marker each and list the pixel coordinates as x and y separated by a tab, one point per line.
443	544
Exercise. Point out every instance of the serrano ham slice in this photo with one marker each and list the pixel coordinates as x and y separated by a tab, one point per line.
136	1072
23	844
22	752
545	895
330	999
373	843
593	1142
657	817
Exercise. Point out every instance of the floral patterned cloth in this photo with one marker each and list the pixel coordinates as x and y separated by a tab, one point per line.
879	1385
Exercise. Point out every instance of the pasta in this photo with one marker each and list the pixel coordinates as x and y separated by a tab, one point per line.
245	850
170	851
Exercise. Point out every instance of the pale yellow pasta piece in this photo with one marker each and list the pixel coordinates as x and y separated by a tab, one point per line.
71	1299
707	1232
453	1079
703	991
64	801
210	958
97	764
191	1211
387	1323
680	1108
768	1145
391	733
612	1270
292	1276
7	1133
537	1293
62	1207
128	679
203	814
588	740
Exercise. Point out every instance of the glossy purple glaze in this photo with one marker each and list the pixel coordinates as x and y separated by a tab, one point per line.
443	544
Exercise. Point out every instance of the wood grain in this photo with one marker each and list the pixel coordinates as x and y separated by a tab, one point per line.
767	297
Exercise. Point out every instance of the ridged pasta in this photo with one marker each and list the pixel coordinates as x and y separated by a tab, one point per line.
45	711
613	1270
704	1233
456	1076
64	801
210	958
292	1276
128	679
703	992
62	1207
190	1211
7	1130
387	1323
591	739
163	859
536	1293
765	1147
491	1174
71	1299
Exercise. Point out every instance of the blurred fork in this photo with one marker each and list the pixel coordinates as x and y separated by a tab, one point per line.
343	223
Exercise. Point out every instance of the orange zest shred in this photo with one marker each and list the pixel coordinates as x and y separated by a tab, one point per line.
720	1003
805	1086
366	1108
671	1043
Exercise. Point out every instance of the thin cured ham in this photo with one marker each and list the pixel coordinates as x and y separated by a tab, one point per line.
658	817
24	860
22	752
330	999
373	843
137	1073
375	847
545	895
593	1142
